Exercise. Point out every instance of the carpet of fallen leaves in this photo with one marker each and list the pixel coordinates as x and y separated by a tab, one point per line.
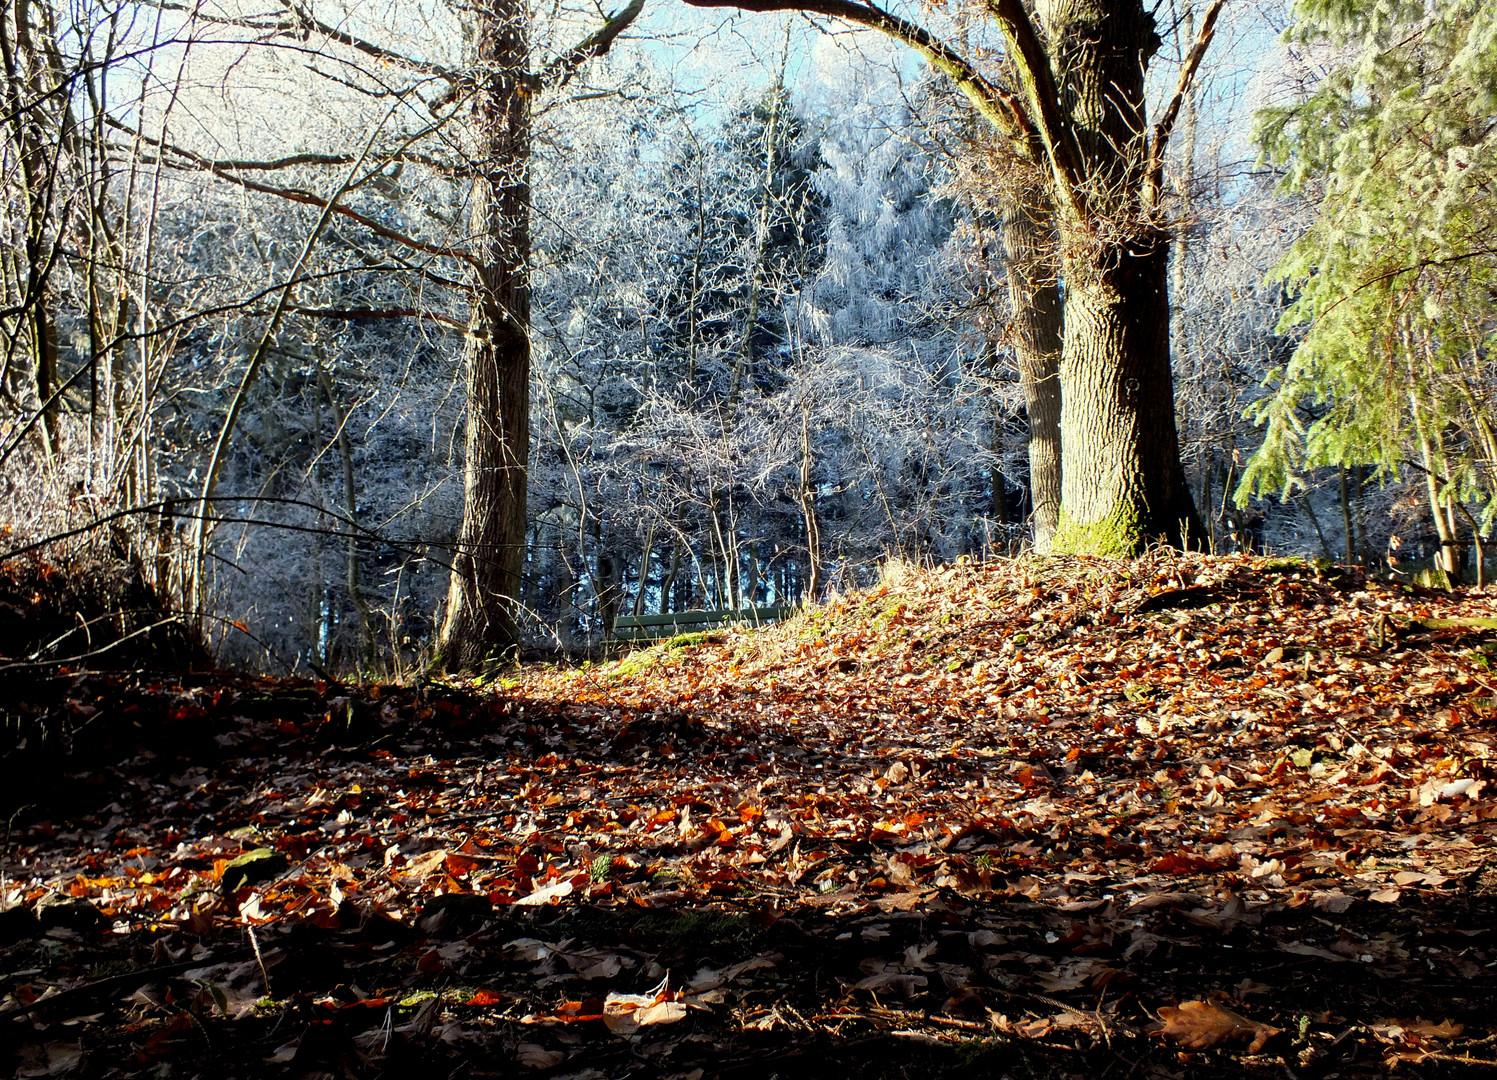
1176	817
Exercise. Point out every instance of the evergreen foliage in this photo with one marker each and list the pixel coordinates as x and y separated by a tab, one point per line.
1391	286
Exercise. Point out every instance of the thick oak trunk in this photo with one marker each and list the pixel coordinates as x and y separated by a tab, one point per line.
481	620
1077	109
1123	484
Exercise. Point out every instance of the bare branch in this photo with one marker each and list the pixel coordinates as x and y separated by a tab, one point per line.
190	160
998	105
308	22
364	314
560	71
1033	63
1166	124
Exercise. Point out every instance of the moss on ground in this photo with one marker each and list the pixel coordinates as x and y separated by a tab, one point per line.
671	648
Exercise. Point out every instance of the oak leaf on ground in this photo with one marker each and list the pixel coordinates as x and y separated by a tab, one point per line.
1200	1025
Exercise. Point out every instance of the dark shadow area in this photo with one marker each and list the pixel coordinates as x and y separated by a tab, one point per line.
97	609
373	997
971	978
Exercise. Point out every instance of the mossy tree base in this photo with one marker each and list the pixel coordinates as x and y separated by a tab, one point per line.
1123	534
1117	536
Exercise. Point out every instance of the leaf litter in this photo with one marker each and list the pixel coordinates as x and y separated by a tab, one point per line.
1019	808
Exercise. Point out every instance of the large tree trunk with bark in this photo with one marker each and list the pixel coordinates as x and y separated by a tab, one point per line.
1034	297
1123	485
482	617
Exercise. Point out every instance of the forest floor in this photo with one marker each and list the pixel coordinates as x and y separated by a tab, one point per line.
1178	817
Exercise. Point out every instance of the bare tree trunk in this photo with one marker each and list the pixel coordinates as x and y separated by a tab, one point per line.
997	488
29	81
607	588
806	495
743	362
668	584
1034	297
1309	508
483	597
482	617
644	571
1185	32
1346	518
351	509
1446	561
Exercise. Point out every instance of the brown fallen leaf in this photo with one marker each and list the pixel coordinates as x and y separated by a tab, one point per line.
1228	919
1200	1025
905	901
708	979
1417	1029
624	1014
546	895
536	1056
1299	948
899	982
425	864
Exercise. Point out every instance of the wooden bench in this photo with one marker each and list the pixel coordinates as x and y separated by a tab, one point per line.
658	627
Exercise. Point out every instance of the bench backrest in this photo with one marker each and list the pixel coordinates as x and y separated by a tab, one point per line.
653	627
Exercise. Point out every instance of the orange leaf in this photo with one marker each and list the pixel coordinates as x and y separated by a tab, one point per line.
1200	1025
572	1012
458	865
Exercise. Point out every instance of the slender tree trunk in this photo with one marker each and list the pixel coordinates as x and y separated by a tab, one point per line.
806	496
644	571
27	78
1361	517
607	588
1346	518
751	591
743	362
1208	500
566	599
1445	560
1185	33
1325	547
997	486
350	498
668	584
1034	297
483	597
536	585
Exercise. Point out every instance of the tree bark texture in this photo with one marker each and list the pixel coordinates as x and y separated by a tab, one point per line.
1123	485
482	616
1122	482
30	73
1034	297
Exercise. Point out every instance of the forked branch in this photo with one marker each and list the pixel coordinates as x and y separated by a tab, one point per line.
997	104
1159	140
